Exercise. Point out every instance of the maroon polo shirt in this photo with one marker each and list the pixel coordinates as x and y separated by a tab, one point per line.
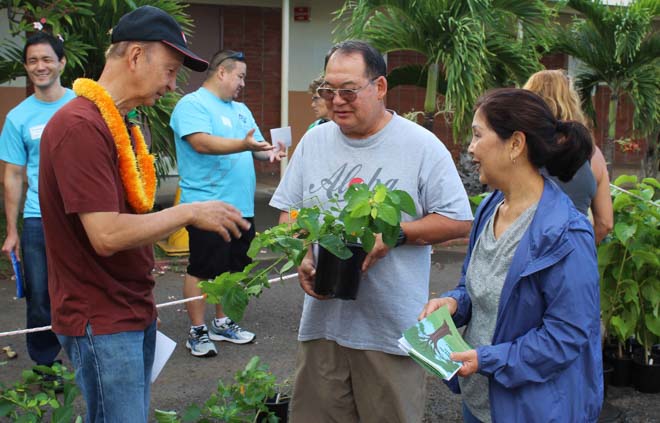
79	173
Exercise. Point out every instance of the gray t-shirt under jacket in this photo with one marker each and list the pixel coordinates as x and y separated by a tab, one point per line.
489	264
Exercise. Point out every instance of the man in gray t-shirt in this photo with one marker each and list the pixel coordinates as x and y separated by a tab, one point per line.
349	367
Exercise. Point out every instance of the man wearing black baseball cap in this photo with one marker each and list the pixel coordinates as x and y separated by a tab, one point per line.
148	23
96	184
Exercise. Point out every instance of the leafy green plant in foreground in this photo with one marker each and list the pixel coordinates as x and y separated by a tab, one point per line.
629	265
30	399
366	214
239	402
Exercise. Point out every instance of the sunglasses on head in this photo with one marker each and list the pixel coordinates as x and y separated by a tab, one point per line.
236	56
346	94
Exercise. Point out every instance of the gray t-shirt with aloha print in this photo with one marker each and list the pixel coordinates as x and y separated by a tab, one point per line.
404	156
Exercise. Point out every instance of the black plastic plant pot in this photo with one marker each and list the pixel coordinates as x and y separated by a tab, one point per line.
608	372
339	278
646	378
622	375
280	409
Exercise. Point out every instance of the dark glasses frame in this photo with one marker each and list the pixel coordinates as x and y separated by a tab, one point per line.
347	94
236	56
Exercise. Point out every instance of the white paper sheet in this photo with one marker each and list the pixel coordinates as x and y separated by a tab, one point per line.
281	135
164	349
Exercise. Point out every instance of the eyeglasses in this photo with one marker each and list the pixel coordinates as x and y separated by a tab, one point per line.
236	56
347	94
316	98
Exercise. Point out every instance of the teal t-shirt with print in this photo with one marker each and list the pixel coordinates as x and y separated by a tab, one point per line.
20	139
228	177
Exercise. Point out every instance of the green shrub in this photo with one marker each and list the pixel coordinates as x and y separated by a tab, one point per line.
629	264
32	398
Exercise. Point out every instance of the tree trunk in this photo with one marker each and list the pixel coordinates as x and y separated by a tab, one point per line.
608	148
431	96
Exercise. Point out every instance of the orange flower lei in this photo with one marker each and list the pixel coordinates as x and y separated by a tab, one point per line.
138	176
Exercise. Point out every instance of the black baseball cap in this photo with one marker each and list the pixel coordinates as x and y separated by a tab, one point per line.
148	23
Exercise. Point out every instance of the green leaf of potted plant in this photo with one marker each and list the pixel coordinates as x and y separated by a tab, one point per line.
629	267
338	230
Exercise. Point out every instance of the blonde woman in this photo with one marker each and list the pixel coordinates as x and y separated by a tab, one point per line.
590	185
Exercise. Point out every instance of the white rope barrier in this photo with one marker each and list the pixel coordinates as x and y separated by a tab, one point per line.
653	203
171	303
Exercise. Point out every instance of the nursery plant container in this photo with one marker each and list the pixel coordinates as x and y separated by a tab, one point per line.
646	377
278	405
622	375
339	278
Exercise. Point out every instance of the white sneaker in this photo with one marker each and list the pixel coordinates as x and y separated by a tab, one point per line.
230	331
199	343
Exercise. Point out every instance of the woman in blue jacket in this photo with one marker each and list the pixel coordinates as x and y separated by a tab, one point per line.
529	291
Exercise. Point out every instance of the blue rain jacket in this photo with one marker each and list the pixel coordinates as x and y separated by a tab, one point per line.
545	362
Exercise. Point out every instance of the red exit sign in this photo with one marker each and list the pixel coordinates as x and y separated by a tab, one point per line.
301	14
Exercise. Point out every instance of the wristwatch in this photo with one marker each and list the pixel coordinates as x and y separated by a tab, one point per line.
401	239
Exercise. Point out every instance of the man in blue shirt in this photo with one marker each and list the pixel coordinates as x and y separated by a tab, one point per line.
216	140
43	58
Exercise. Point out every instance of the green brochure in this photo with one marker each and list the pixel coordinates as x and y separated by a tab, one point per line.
432	340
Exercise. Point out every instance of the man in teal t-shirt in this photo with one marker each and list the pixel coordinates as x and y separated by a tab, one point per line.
43	58
216	140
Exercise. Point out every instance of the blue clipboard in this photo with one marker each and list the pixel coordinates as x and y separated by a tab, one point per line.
19	275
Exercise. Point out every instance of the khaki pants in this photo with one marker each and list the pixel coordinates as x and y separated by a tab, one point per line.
344	385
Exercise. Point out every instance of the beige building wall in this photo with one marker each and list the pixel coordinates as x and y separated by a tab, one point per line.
11	93
309	42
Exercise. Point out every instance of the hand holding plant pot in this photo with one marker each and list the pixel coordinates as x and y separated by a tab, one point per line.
365	214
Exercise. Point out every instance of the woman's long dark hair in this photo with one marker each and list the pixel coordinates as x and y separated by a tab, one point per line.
559	146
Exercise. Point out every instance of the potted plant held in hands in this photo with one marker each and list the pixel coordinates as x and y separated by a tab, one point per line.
343	234
629	264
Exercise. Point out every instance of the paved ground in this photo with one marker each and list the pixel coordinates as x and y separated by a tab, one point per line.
274	317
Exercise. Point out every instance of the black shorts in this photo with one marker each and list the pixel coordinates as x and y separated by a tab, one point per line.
210	255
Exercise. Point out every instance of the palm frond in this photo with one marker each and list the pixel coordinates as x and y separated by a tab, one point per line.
512	61
466	68
619	47
457	35
586	83
595	13
414	75
630	31
644	91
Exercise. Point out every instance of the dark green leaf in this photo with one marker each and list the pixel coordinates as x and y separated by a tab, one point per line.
355	225
407	203
361	209
624	180
642	257
389	214
335	246
652	323
368	240
624	231
255	248
390	235
192	413
288	265
234	303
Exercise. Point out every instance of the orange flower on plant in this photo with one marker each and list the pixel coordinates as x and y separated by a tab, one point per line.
293	214
138	175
